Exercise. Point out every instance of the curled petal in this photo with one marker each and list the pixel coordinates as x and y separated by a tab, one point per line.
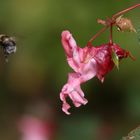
65	108
68	43
73	52
76	95
73	90
77	99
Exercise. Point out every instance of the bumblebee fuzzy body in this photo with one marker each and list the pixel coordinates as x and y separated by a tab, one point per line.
8	44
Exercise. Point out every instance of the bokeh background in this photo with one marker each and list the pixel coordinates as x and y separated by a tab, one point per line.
30	83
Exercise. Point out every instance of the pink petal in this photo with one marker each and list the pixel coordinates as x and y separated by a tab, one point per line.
85	67
68	43
65	108
72	90
71	50
86	62
75	95
77	99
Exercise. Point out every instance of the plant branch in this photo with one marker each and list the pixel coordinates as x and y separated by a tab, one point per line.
96	35
110	22
111	40
125	10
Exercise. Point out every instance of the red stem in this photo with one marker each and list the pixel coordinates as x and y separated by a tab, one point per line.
124	11
111	40
96	35
111	24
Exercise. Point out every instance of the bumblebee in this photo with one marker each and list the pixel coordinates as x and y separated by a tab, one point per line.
8	44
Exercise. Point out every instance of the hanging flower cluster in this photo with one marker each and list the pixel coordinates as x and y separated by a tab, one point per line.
92	61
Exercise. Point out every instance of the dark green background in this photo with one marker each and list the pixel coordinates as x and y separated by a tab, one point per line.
37	72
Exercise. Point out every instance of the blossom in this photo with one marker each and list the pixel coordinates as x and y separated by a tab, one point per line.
36	128
87	63
32	128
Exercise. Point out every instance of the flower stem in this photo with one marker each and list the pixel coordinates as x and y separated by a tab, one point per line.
96	35
111	23
125	10
111	40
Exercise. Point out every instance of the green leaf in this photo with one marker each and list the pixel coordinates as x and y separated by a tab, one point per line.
115	59
133	135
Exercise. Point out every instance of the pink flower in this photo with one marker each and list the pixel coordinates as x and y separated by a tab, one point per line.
32	128
36	128
86	62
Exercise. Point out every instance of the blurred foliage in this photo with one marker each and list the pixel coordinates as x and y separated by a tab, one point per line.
133	135
39	69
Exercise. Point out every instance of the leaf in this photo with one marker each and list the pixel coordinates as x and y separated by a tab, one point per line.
115	58
133	135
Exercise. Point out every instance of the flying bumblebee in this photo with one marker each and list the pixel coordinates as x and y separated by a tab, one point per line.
8	45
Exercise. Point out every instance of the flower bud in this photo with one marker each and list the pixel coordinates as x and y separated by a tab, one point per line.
124	24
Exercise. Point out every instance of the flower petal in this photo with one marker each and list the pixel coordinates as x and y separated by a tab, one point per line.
68	42
86	62
71	49
73	90
77	99
76	95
